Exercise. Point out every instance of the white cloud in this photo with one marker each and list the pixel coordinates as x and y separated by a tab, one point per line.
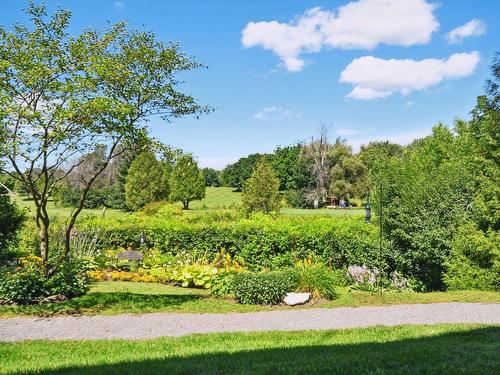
345	132
474	27
362	24
119	5
275	113
375	78
409	104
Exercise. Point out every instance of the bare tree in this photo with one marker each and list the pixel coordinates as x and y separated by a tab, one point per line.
317	153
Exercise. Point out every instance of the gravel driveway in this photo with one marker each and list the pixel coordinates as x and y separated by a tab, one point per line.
147	326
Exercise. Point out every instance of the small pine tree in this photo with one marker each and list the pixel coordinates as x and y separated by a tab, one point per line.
146	181
187	182
261	190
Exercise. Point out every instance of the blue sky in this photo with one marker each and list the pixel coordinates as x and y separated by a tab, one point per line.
277	70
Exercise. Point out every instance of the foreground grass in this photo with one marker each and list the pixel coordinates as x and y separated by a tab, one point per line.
118	297
440	349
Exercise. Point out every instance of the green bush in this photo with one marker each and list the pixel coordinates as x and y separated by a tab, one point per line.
25	285
475	260
317	279
11	221
70	280
263	288
255	242
222	283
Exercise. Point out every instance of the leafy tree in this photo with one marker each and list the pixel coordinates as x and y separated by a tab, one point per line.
146	181
212	177
348	178
377	151
187	182
420	201
261	190
236	174
61	95
285	163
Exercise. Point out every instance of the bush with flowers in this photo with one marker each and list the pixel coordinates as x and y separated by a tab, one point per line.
26	282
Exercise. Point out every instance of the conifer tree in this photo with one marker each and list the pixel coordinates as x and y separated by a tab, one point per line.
261	190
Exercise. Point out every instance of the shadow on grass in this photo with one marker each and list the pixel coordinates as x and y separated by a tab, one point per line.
113	301
473	351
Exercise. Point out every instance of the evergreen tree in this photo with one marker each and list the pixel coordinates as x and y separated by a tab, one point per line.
187	182
146	181
261	190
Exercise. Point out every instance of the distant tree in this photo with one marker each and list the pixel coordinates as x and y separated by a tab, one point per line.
236	174
62	94
316	153
187	182
285	163
146	181
212	177
348	179
261	190
374	152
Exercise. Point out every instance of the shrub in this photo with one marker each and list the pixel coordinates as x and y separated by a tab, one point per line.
70	280
27	283
222	283
152	208
169	210
316	278
263	288
24	285
474	262
11	221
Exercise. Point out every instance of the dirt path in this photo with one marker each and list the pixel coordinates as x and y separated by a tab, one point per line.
147	326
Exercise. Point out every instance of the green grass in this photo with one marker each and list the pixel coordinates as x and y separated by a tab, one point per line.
117	297
62	213
216	198
439	349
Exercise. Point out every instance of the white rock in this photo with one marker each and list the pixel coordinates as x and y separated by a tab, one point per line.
292	299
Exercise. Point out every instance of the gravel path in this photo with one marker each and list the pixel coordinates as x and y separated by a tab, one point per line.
147	326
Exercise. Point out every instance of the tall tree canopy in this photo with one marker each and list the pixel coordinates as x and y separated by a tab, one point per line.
60	95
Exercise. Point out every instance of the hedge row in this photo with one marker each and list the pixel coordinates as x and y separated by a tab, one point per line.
260	242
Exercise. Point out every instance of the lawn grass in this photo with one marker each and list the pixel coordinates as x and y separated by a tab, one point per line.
118	297
216	198
62	213
438	349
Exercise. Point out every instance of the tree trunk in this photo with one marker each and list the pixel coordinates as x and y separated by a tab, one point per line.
186	205
44	241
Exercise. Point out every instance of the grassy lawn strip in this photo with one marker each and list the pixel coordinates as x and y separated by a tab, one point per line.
118	297
439	349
